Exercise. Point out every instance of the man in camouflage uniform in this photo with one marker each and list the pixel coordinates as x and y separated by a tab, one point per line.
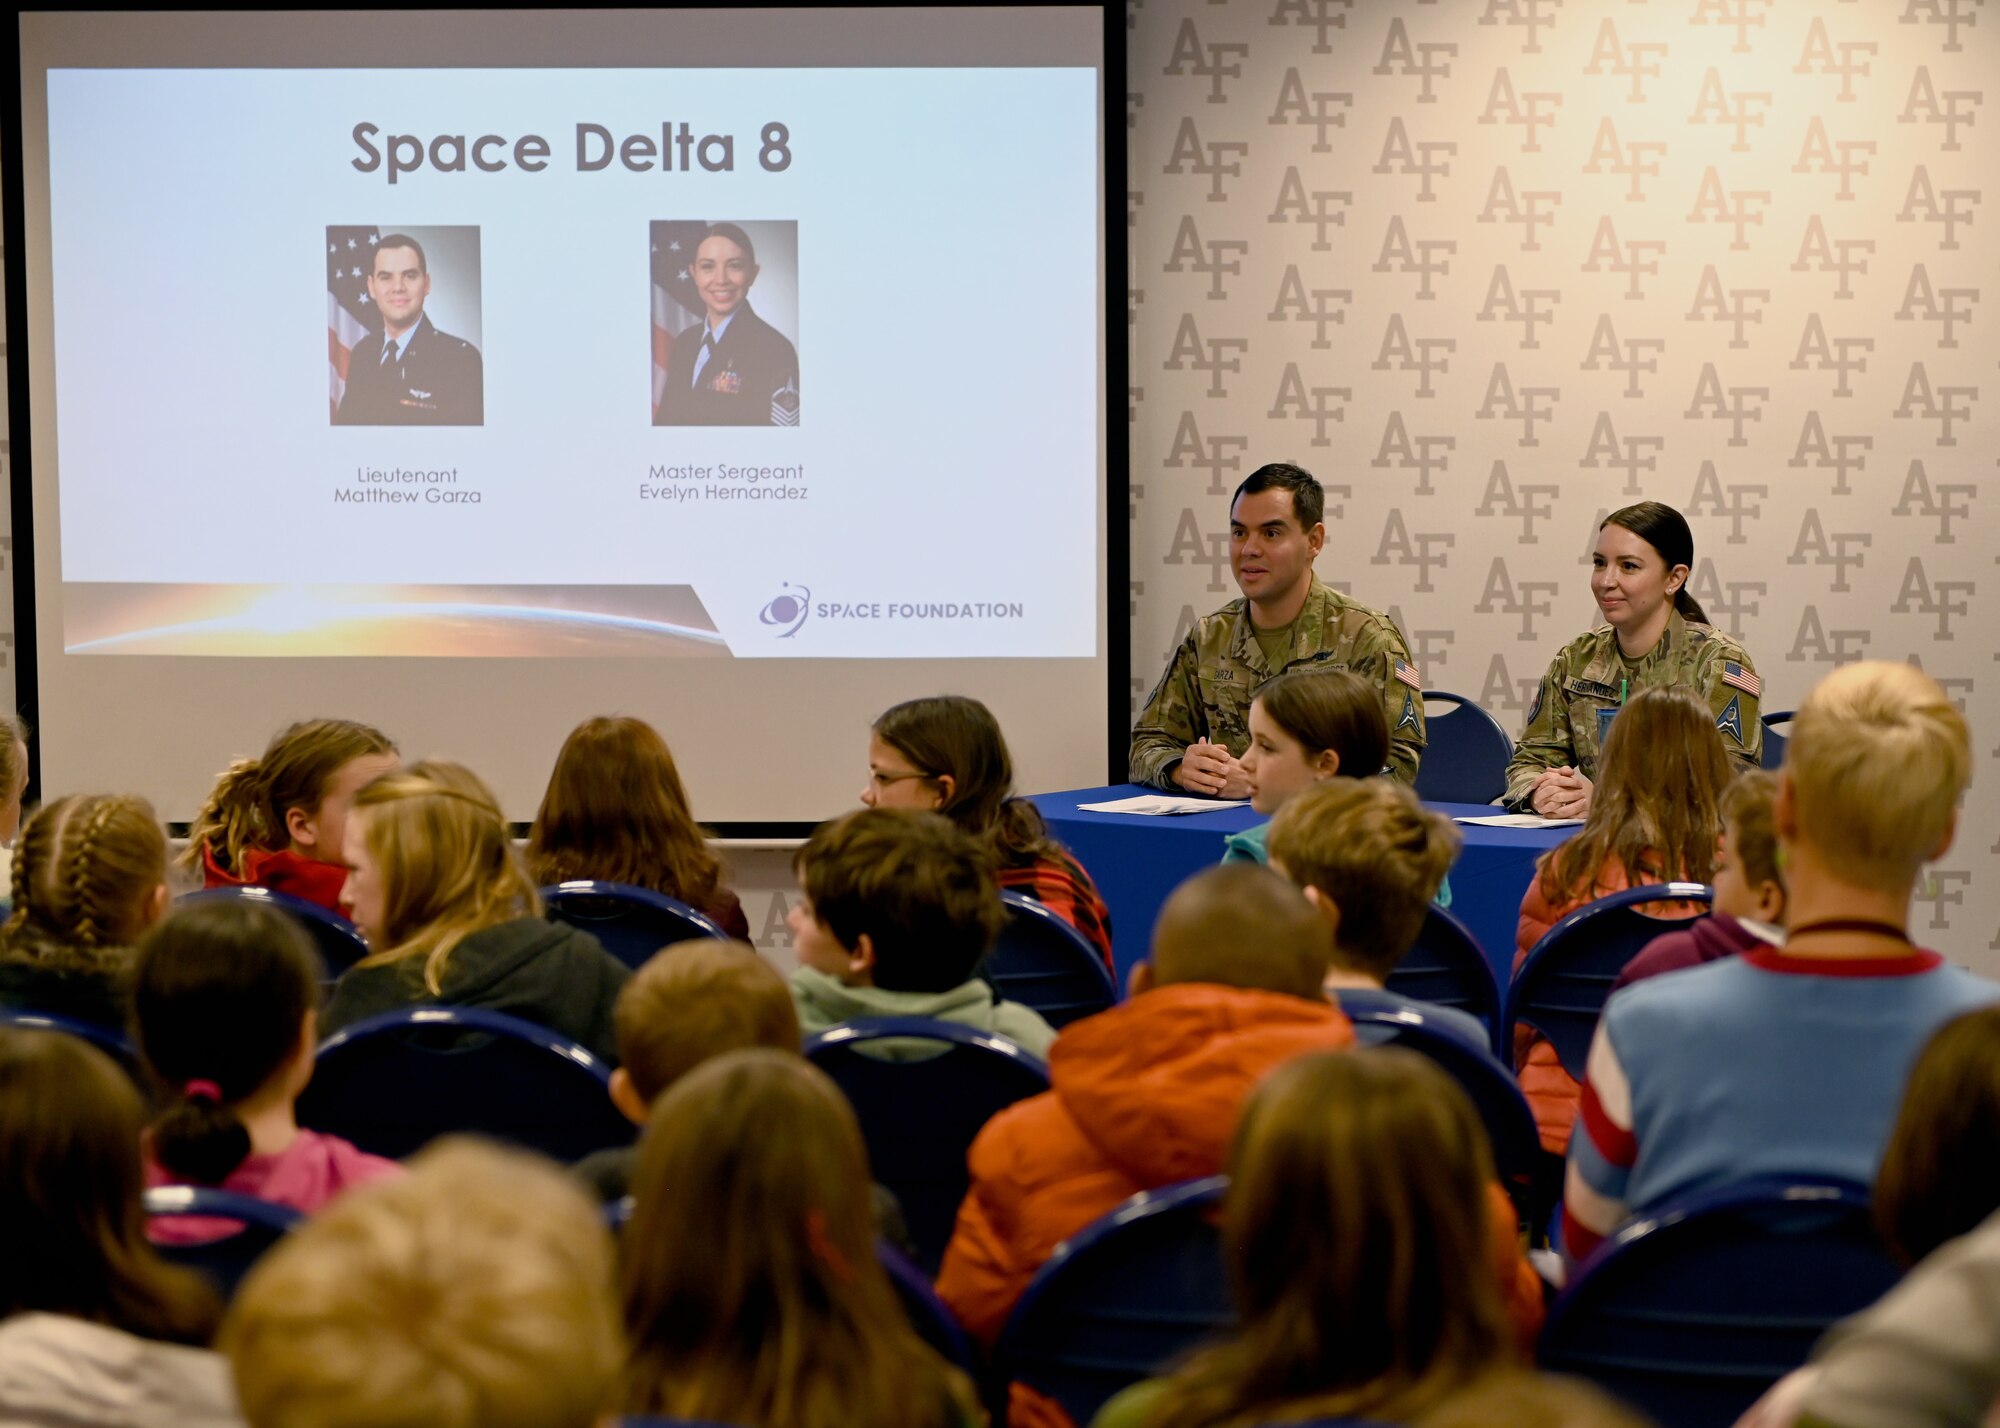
1196	724
1590	679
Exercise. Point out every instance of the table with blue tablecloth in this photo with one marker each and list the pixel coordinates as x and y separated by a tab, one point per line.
1137	861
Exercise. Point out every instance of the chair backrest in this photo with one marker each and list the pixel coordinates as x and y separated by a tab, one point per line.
1561	988
101	1037
246	1228
1447	968
1695	1309
1046	965
928	1315
1465	752
651	1422
1122	1299
919	1116
396	1081
1510	1125
339	942
632	923
1774	740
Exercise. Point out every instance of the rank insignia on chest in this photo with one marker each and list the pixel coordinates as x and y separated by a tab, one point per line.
728	383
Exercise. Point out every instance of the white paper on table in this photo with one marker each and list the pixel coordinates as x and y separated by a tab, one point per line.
1520	820
1154	805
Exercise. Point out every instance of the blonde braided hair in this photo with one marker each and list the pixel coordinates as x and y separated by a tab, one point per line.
85	870
248	806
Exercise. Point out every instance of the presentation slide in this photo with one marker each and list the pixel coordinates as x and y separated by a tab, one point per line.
705	363
472	374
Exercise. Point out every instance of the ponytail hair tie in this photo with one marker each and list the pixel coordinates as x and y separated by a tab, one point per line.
203	1091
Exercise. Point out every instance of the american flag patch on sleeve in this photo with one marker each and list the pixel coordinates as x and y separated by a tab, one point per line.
1408	674
1737	677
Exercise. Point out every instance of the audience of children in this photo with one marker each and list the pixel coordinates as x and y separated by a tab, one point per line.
1653	818
89	878
615	811
946	753
774	1309
1791	1060
279	821
1306	727
1369	859
1749	906
96	1330
452	917
1356	1203
690	1002
474	1292
898	909
225	999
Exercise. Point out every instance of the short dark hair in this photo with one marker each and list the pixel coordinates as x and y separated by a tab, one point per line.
733	234
1308	500
915	883
402	240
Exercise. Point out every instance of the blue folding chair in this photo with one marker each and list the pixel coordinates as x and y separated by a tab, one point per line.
1447	968
339	942
223	1261
1774	742
919	1116
632	923
1696	1308
1561	989
1490	1086
1046	965
651	1422
1120	1300
928	1315
396	1081
101	1037
1465	753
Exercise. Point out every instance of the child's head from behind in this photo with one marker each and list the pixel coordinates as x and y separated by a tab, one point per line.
74	1229
898	899
1354	1230
1370	858
13	774
1239	925
1940	1173
90	871
296	795
1875	762
1748	881
224	998
432	858
692	1002
616	809
475	1292
775	1308
1310	725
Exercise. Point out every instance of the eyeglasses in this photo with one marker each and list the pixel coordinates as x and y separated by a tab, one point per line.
884	780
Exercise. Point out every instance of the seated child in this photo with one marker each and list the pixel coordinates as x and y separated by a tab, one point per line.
225	999
278	821
1369	858
474	1292
691	1001
1791	1060
96	1330
1305	727
89	878
899	908
1749	907
452	918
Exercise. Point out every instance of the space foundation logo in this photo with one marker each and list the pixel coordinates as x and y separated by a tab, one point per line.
787	610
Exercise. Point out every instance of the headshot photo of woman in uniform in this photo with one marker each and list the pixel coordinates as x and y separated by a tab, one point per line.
1654	635
718	358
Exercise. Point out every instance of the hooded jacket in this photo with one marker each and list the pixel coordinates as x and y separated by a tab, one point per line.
825	1001
280	870
544	972
60	1372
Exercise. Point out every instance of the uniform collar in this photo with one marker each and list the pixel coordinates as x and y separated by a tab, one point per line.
1243	644
1608	666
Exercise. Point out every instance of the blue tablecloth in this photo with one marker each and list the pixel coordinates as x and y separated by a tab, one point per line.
1138	861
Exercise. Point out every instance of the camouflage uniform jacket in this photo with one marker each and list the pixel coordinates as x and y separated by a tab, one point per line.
1218	669
1588	680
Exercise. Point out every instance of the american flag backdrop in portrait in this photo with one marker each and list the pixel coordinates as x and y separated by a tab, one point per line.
676	305
350	316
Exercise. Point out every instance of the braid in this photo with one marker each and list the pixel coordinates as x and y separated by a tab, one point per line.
232	819
30	856
84	892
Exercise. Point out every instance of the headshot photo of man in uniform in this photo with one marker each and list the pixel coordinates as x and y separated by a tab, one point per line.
1195	728
405	371
724	365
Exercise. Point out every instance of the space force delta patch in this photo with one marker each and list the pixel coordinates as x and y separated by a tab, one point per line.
1730	720
1737	677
